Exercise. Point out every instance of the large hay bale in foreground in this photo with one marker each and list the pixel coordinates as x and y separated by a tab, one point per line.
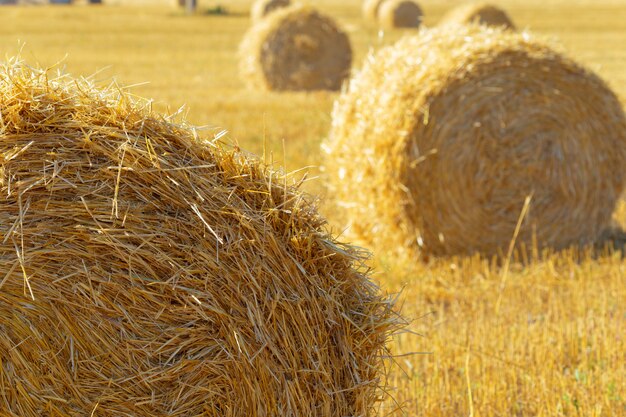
296	48
441	138
146	272
400	14
478	13
371	8
262	8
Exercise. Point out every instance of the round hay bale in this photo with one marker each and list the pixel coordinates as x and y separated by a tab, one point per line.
400	14
188	5
262	8
371	8
296	48
146	272
478	13
442	137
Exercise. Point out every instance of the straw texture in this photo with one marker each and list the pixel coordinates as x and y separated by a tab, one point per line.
371	8
147	272
478	13
262	8
441	138
399	14
295	48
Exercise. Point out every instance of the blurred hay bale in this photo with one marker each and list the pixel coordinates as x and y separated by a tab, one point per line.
442	137
147	272
478	13
262	8
371	8
295	48
400	14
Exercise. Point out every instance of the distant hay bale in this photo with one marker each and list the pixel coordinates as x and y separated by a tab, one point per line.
371	9
296	48
262	8
478	13
188	5
399	14
441	138
147	272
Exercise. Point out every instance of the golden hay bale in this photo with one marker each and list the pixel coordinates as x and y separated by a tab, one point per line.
441	138
400	14
262	8
478	13
371	8
146	272
296	48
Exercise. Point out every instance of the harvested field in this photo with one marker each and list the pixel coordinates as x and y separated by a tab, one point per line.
545	339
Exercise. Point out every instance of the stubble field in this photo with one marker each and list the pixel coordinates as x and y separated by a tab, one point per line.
546	338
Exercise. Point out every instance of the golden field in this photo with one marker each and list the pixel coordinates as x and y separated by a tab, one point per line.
544	339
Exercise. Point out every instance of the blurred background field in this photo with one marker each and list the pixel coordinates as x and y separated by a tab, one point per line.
547	339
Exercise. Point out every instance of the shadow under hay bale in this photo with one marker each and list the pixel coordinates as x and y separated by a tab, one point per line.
147	272
262	8
399	14
478	13
447	141
296	48
613	238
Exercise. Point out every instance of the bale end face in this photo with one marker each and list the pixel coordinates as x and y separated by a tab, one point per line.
298	49
400	14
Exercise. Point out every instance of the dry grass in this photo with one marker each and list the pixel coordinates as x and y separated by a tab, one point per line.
557	346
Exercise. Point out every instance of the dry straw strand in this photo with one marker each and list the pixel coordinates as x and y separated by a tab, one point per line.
478	13
170	275
296	48
441	137
262	8
400	14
